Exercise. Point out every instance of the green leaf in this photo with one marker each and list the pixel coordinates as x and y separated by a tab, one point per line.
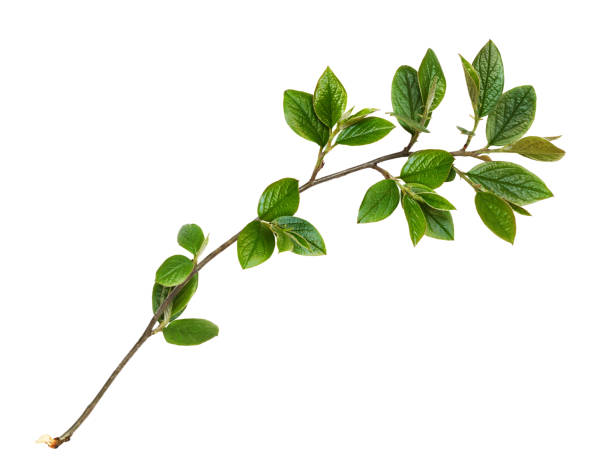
473	83
301	117
518	209
430	73
439	223
488	64
436	201
429	167
539	149
160	293
367	131
191	237
451	175
359	115
380	200
329	98
512	116
407	123
415	217
283	241
510	182
465	131
306	239
190	332
406	97
255	244
174	271
280	198
497	215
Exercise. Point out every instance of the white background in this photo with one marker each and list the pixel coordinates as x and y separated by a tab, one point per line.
122	120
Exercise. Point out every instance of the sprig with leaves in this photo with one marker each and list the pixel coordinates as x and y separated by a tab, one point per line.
501	188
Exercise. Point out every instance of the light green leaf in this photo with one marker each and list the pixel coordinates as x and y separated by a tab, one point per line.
488	64
191	237
160	293
367	131
429	167
465	131
301	117
174	271
283	241
512	116
510	182
380	200
436	201
519	209
190	332
329	98
473	83
406	97
306	239
439	223
430	73
539	149
417	224
407	123
255	244
280	198
497	215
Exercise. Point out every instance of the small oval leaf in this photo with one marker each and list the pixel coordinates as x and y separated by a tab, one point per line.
512	116
174	271
255	244
301	117
380	200
497	215
430	167
281	198
190	331
329	98
191	237
367	131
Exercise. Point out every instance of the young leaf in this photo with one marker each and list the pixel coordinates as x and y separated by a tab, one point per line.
415	217
488	64
473	83
510	182
174	271
406	97
306	239
190	332
283	241
497	215
429	70
429	167
301	117
191	237
439	223
329	98
280	198
465	131
367	131
539	149
180	301
519	209
255	244
512	116
355	117
436	201
380	200
407	123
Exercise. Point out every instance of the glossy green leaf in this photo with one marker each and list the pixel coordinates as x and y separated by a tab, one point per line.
417	224
497	215
451	175
255	244
472	81
380	200
283	241
191	237
160	293
510	182
301	117
190	331
306	239
367	131
281	198
329	98
436	201
406	97
174	271
519	209
439	223
539	149
512	116
429	167
430	73
488	64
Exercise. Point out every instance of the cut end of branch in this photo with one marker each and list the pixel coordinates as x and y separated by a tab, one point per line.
53	443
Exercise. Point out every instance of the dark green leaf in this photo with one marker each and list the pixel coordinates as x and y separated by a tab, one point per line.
497	215
329	98
518	209
512	116
160	293
255	244
301	117
451	175
510	181
488	64
430	73
429	167
190	331
191	237
539	149
439	223
367	131
306	239
280	198
406	97
472	81
415	217
436	201
380	200
174	271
